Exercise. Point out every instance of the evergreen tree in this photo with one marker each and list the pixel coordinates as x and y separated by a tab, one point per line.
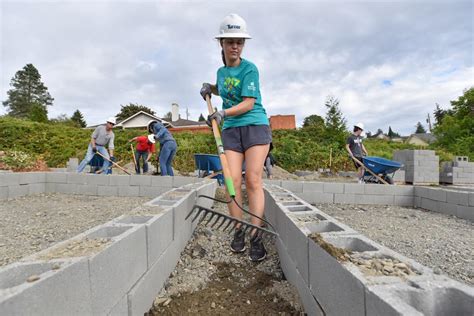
38	113
78	119
335	122
128	110
28	95
419	128
391	133
201	118
168	116
313	121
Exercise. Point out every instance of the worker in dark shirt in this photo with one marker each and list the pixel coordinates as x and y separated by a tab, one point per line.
356	149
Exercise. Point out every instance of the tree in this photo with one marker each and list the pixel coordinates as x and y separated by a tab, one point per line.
391	133
312	121
128	110
38	113
201	118
439	114
28	95
78	119
419	128
335	122
168	116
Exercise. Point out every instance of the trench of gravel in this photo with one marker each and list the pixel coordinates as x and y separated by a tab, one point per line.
211	280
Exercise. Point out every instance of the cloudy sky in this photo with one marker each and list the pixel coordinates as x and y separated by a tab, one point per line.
388	62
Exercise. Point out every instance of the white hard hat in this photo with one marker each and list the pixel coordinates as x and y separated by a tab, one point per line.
111	120
148	125
359	125
151	138
233	26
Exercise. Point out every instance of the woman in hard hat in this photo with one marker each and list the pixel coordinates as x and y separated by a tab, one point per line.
168	146
144	150
356	149
246	132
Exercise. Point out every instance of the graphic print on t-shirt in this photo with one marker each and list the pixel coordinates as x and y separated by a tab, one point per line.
231	84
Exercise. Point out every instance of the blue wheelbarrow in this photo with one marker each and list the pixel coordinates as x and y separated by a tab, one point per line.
207	165
382	167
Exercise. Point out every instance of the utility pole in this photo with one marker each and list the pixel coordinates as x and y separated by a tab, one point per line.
187	113
428	120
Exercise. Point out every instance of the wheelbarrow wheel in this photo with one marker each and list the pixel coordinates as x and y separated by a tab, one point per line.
388	179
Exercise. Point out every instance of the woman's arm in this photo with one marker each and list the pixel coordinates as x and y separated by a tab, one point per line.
241	108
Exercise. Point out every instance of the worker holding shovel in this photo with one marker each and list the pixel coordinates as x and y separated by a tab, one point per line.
144	150
102	136
246	134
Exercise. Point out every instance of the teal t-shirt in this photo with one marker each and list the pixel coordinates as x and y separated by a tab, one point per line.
235	83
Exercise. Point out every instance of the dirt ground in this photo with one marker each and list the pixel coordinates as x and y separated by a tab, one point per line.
211	280
33	223
439	241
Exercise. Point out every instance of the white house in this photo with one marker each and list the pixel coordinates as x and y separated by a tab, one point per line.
140	120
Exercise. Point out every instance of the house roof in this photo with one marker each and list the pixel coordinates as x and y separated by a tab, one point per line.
426	137
185	123
152	117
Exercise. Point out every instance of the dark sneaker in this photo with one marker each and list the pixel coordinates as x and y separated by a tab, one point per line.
238	244
257	249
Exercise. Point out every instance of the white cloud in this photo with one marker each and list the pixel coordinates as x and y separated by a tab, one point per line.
96	56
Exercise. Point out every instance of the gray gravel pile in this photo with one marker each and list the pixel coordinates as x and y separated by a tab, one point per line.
441	242
33	223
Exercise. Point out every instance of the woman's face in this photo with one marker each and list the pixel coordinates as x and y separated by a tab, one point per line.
232	48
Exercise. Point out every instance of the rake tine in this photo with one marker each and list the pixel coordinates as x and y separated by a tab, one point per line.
215	222
197	214
189	214
222	223
233	226
210	218
204	216
228	224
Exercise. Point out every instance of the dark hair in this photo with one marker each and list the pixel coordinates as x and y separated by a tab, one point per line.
357	129
223	57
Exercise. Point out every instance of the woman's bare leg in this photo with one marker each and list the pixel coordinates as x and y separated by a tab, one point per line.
235	160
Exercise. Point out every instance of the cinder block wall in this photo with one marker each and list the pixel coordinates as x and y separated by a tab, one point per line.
14	185
329	287
458	171
421	166
123	278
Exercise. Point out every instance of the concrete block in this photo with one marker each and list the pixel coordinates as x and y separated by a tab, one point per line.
50	187
310	303
381	301
66	188
162	182
297	246
77	178
36	188
437	194
317	197
313	187
404	200
128	190
87	189
72	164
32	177
15	191
64	291
338	291
95	179
345	198
375	199
3	193
105	190
471	199
121	308
293	186
56	177
447	208
151	192
333	187
119	180
272	182
140	180
354	188
7	179
115	269
431	205
466	212
143	293
457	197
179	181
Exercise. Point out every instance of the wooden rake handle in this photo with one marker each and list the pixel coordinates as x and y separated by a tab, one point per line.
220	151
114	163
370	171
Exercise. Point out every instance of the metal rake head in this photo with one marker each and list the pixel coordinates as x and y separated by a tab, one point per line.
227	223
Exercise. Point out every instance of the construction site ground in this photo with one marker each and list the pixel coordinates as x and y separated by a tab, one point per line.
33	223
211	280
441	242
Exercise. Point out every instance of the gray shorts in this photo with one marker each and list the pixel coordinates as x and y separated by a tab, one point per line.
242	138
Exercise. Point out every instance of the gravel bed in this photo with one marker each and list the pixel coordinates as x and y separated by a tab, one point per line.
439	241
211	280
33	223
